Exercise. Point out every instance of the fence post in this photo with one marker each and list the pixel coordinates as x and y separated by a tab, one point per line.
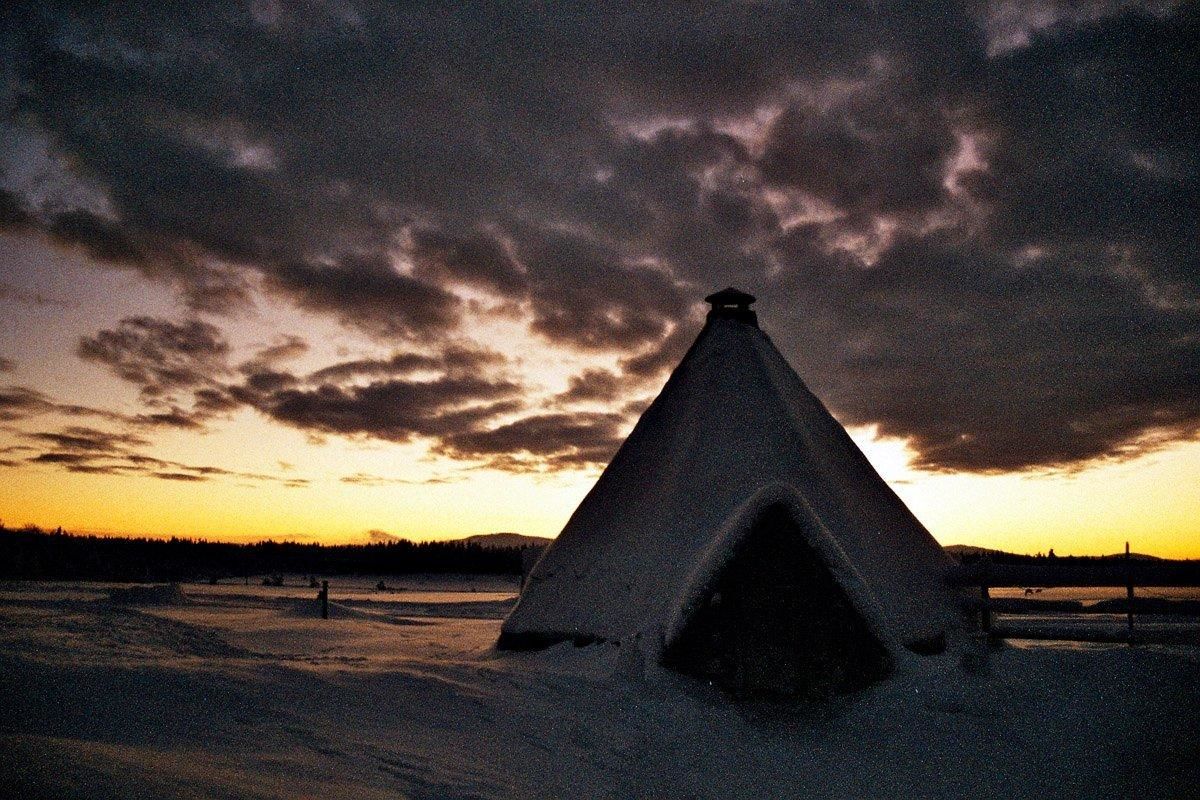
985	606
324	599
1129	590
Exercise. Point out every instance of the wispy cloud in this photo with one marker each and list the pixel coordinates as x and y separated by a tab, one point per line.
96	452
367	479
16	294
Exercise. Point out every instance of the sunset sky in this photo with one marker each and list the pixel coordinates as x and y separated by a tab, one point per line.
316	270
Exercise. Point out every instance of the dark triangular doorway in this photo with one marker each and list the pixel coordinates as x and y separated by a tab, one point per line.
775	623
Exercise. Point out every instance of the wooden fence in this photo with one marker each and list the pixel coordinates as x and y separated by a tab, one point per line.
1126	572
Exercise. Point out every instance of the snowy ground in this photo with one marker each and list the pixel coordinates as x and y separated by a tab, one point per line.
243	691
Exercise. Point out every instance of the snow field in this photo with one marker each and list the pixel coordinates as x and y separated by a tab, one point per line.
243	691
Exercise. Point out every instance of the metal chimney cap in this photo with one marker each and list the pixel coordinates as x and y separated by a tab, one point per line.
730	297
731	303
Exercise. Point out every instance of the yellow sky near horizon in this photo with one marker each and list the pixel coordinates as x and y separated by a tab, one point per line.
1150	501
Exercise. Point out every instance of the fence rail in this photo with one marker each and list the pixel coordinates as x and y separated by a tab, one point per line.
1108	573
1126	572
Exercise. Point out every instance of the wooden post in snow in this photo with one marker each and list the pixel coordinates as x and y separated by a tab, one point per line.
985	605
324	595
1129	589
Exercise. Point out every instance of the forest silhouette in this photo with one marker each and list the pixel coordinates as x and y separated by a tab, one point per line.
33	553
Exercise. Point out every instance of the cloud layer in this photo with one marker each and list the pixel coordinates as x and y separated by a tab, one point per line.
974	225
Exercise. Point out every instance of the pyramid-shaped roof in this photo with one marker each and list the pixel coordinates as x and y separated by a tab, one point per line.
733	430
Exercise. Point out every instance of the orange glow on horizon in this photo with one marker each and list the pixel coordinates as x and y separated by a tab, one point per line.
1149	501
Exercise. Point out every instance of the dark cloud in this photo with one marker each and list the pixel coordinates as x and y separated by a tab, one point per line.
870	154
637	406
95	452
585	296
209	402
1111	160
368	292
284	349
17	402
474	258
452	359
665	354
159	356
998	372
541	441
462	412
593	384
582	293
14	215
1061	321
89	440
267	380
410	395
70	460
973	225
20	402
174	417
167	360
394	410
103	240
183	477
1013	24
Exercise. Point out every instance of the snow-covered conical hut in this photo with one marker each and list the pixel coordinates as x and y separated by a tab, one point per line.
740	535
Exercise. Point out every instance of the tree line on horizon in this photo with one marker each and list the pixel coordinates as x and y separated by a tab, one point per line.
33	553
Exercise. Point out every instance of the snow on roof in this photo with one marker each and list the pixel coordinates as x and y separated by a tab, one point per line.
733	419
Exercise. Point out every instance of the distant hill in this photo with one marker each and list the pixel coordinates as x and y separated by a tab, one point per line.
507	540
969	550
